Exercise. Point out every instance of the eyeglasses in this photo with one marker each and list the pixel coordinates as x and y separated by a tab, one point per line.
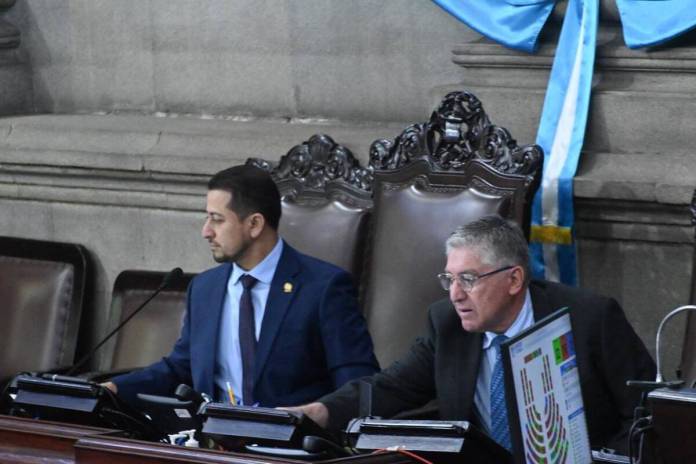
466	281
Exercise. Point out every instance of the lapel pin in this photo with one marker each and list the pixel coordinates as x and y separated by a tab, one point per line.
287	287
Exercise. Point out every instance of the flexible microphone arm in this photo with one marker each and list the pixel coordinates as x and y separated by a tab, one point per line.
171	277
659	378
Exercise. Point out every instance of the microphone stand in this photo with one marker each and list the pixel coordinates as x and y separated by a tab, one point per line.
659	378
171	276
660	381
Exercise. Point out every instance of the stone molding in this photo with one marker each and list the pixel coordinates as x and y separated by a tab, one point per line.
143	161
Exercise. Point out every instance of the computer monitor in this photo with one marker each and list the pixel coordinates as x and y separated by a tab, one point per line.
545	407
169	415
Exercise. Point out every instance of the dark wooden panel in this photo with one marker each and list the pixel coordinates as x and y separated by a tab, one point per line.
102	450
34	441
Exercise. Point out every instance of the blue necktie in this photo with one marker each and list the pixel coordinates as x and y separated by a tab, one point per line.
247	338
500	430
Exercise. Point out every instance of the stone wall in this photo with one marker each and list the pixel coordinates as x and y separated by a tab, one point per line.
347	60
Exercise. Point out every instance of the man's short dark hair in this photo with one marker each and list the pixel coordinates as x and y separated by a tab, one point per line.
252	190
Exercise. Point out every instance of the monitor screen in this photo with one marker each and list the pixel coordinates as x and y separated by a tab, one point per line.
169	415
545	407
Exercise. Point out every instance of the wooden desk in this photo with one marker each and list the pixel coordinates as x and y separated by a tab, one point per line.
34	441
102	450
29	441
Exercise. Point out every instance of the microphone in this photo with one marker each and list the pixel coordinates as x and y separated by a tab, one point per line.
171	277
185	393
659	379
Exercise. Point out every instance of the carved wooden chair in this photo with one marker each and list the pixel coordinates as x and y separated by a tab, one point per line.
431	178
43	288
326	201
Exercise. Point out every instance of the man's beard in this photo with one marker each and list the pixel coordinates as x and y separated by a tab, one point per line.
232	258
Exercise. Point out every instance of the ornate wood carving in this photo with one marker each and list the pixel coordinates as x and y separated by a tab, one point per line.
457	133
318	162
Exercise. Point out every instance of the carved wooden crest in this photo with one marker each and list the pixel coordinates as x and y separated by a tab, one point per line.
457	133
320	167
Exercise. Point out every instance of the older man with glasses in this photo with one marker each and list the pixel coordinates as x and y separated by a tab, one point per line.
491	298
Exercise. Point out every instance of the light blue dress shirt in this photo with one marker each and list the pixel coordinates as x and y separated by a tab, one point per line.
482	398
228	363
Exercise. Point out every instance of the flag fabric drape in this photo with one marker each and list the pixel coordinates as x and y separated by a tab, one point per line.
515	24
561	133
652	22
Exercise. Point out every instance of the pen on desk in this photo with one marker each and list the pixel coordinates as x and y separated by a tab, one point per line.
230	393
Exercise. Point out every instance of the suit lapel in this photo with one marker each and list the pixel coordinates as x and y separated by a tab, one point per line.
460	356
284	287
213	297
541	306
471	344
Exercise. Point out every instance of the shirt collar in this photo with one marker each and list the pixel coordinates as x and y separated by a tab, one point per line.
264	271
524	319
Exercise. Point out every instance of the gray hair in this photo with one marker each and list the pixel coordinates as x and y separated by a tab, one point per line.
496	241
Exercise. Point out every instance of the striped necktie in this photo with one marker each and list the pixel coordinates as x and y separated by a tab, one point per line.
500	429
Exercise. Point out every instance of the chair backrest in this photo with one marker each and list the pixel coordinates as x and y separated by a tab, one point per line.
688	358
430	179
43	287
326	201
151	334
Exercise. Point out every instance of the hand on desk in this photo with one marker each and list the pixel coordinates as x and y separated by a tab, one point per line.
111	386
315	411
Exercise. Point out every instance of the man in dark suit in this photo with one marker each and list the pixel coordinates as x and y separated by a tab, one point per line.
267	326
490	294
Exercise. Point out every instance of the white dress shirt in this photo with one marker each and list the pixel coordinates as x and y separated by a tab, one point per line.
482	398
228	363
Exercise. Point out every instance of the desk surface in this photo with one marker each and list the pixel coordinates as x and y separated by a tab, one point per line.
30	441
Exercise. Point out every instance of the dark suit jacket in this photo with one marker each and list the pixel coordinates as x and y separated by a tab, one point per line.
313	339
444	366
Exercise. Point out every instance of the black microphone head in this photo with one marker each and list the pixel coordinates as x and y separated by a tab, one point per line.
172	276
184	392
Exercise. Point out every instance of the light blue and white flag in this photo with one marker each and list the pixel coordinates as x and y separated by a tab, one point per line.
561	134
653	22
513	23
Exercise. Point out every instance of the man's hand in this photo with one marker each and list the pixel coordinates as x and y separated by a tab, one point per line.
315	411
111	386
